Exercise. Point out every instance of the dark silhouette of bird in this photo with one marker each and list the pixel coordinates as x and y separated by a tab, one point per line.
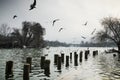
60	29
83	37
14	16
93	31
32	6
85	23
55	21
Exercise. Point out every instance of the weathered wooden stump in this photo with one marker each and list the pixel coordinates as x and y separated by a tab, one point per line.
95	53
29	61
70	56
67	61
47	67
9	69
59	63
42	62
114	55
86	54
62	57
80	56
55	59
75	59
26	71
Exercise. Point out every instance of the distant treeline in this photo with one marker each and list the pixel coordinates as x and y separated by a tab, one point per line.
31	36
82	44
56	44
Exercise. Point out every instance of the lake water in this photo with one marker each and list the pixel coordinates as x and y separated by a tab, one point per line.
101	67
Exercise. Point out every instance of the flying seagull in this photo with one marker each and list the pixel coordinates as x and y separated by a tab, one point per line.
93	31
55	21
60	29
14	16
83	37
85	23
32	6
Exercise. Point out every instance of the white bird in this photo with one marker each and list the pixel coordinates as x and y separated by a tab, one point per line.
85	23
55	21
60	29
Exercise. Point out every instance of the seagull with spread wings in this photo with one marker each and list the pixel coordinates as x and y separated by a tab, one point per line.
55	21
32	6
60	29
14	16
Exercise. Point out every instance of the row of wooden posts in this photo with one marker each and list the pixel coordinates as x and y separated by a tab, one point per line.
59	59
45	63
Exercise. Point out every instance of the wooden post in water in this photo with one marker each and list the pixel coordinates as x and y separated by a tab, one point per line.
70	56
62	57
95	53
47	67
55	59
29	61
59	63
80	56
67	61
86	54
9	69
42	62
75	59
26	71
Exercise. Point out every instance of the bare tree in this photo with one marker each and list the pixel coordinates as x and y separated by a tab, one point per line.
110	32
5	30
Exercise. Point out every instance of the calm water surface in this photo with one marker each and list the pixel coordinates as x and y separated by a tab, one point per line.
102	67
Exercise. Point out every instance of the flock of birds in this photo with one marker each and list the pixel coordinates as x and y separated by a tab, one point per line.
33	5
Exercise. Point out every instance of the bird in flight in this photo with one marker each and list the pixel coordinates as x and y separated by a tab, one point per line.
83	37
60	29
93	31
32	6
55	21
85	23
14	16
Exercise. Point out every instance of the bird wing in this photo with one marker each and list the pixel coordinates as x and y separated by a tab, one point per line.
14	16
83	37
55	21
86	23
93	31
34	3
60	29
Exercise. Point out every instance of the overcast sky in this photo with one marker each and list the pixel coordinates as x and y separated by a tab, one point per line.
72	14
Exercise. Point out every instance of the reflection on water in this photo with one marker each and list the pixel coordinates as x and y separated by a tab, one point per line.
101	67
